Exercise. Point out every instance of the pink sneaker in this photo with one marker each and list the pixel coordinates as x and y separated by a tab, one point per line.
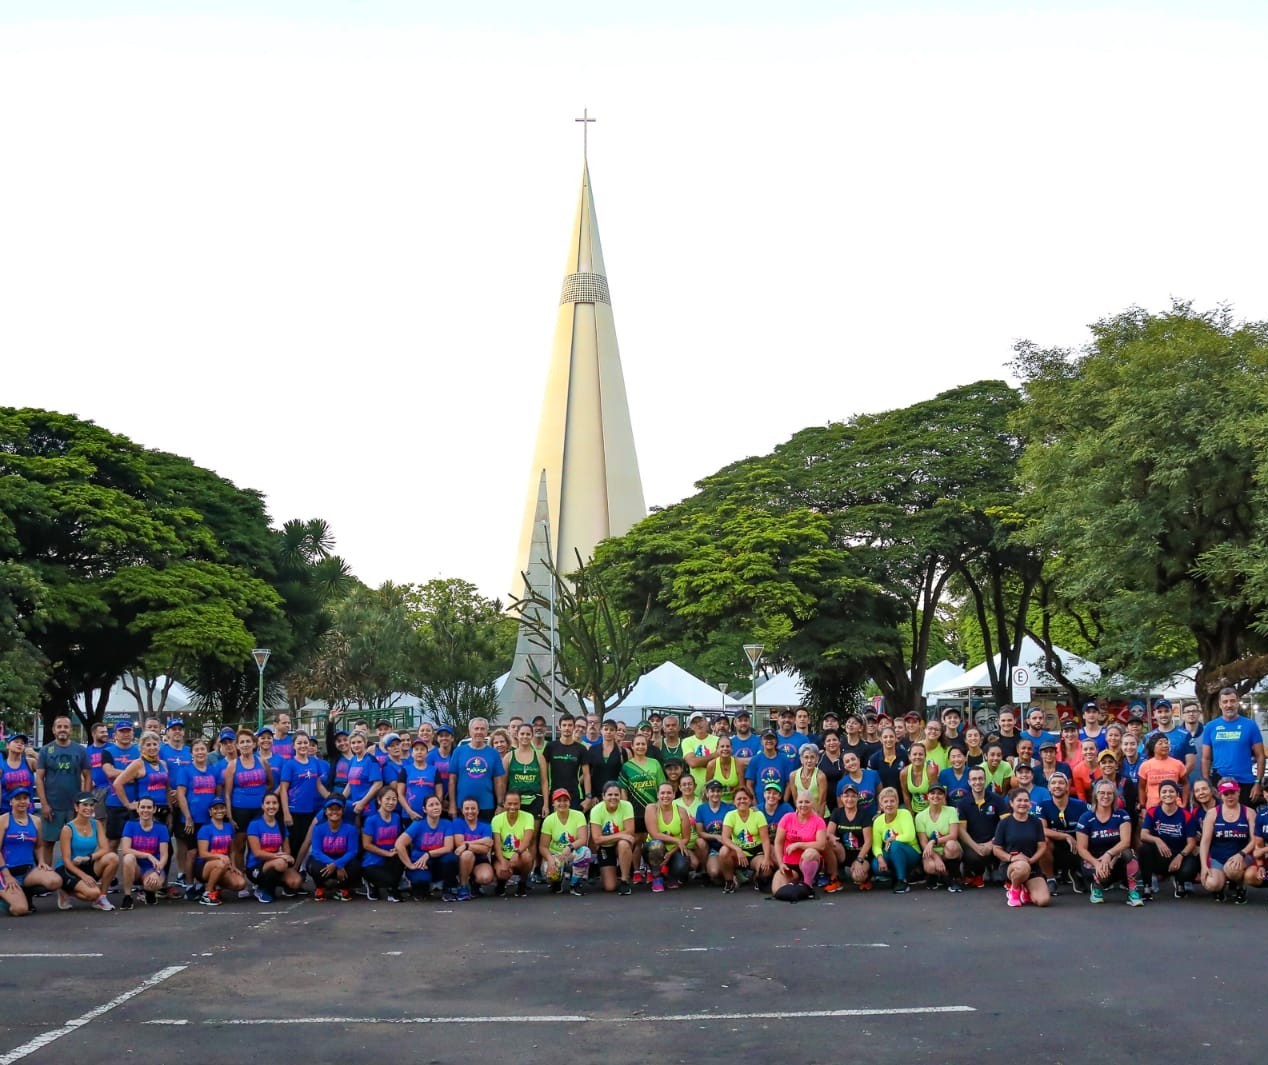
1026	900
658	885
1013	895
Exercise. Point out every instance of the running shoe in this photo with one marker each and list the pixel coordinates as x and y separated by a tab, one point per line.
821	880
955	887
1177	888
63	903
638	876
673	885
103	904
319	894
523	889
364	890
372	893
245	893
1026	900
658	885
392	896
263	896
833	886
1219	895
1052	886
577	887
1097	894
623	888
975	881
345	895
901	887
192	892
464	893
729	887
210	898
125	903
499	889
448	896
1012	896
1134	899
150	898
1239	896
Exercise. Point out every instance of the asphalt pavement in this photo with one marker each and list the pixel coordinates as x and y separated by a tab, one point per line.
691	976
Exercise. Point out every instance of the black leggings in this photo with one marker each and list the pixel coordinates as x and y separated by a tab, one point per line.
1153	864
385	875
353	869
978	864
1065	859
298	832
266	879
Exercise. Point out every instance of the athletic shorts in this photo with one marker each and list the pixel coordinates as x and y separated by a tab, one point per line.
606	857
18	872
53	821
533	804
242	818
116	818
69	879
200	869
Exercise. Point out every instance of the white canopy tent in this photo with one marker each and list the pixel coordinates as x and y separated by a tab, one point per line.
779	690
1077	669
668	687
936	676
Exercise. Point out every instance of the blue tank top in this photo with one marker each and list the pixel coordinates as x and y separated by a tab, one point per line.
81	847
1229	837
249	785
19	842
153	783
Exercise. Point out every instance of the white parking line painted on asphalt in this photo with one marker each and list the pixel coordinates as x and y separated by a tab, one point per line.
52	955
570	1018
44	1038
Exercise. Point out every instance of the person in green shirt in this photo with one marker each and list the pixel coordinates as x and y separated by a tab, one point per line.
699	749
894	850
526	771
563	845
612	839
514	852
999	773
937	831
641	777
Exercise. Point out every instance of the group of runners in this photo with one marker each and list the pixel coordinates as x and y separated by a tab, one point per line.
863	801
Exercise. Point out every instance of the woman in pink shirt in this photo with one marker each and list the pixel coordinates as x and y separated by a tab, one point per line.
800	842
1160	767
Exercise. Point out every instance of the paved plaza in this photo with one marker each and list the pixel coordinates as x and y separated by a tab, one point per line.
694	976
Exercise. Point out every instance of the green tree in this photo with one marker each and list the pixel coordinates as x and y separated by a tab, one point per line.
129	551
1140	475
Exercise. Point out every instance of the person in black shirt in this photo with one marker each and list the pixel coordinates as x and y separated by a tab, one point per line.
951	734
566	761
854	740
1007	736
849	843
1020	846
980	812
604	760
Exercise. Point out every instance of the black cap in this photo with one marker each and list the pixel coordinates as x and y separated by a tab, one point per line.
849	785
770	733
742	713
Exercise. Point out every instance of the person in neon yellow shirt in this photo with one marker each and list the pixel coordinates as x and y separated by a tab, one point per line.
612	838
746	843
894	842
699	749
938	834
562	845
514	852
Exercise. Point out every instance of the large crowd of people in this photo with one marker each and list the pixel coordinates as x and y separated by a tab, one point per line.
1145	801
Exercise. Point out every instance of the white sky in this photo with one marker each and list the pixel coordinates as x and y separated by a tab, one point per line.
318	247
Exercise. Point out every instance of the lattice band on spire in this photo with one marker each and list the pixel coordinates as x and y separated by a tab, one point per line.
585	288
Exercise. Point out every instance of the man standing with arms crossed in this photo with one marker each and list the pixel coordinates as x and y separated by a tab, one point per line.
62	771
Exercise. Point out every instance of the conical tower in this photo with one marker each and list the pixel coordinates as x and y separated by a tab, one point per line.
584	471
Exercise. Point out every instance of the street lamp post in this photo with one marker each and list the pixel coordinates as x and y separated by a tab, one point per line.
722	688
261	656
753	652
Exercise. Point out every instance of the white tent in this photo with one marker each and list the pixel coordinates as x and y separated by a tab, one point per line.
667	687
1079	670
936	676
780	690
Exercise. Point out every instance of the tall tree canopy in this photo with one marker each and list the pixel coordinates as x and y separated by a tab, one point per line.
1144	476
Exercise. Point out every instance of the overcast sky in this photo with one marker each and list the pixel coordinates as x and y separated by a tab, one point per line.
317	247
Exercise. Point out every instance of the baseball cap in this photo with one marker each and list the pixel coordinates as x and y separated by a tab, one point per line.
935	786
1225	785
911	715
770	734
218	800
228	734
1048	745
340	732
742	713
419	742
1057	773
834	715
444	728
1107	754
713	784
673	761
333	801
85	796
560	793
27	792
390	738
19	736
698	715
176	722
1023	765
263	729
1069	726
1162	704
772	786
1091	704
119	725
849	785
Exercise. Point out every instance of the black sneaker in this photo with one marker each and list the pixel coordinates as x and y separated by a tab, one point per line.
150	898
125	903
1239	896
1177	888
955	887
372	893
522	891
1052	886
499	889
1219	895
623	887
901	887
577	887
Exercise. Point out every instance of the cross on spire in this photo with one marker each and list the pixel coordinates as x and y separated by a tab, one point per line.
585	119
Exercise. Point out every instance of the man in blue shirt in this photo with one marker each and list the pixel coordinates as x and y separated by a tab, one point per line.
1230	744
476	772
790	740
769	766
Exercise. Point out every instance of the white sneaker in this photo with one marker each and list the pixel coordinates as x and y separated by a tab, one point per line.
245	893
63	903
103	904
